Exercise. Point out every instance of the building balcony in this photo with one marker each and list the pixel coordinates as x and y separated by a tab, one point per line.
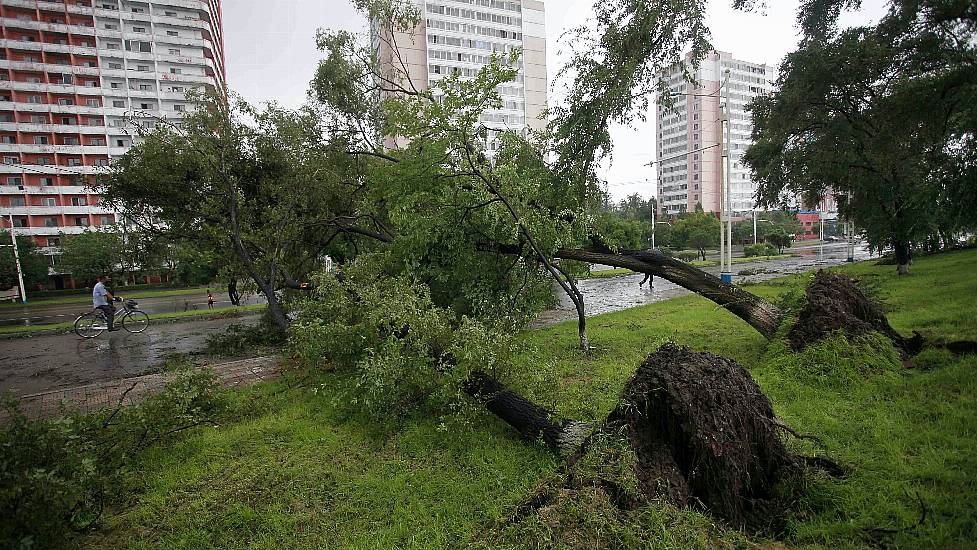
50	128
47	47
49	108
48	27
51	149
53	88
48	67
49	169
51	231
44	190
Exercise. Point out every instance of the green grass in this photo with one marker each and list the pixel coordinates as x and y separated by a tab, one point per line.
69	325
604	273
701	263
296	470
87	297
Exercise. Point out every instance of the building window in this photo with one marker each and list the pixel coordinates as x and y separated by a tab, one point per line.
106	220
101	162
33	99
71	141
79	201
174	51
145	88
66	101
174	70
145	106
7	139
142	68
98	141
82	222
47	182
120	143
118	103
20	222
40	140
115	66
10	160
91	102
111	26
53	241
17	201
138	29
172	33
14	180
49	201
42	161
74	161
179	108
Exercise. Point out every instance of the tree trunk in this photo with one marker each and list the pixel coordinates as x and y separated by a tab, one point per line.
760	314
529	419
903	257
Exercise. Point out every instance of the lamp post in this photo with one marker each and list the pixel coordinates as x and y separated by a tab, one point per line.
20	272
726	223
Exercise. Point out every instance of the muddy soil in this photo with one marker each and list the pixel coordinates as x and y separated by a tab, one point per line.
703	432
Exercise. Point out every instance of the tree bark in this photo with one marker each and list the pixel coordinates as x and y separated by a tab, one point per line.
532	421
760	314
903	257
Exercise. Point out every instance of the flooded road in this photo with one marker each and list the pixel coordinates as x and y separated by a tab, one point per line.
194	299
42	363
604	295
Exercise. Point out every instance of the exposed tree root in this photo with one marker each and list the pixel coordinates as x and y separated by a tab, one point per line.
835	303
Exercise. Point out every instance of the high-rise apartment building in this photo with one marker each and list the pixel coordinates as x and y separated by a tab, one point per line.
459	36
73	73
690	135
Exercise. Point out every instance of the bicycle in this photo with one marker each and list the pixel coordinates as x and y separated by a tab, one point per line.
93	323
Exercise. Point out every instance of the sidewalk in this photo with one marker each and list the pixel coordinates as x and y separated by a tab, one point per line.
129	391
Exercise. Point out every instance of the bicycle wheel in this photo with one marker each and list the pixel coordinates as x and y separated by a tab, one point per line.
135	321
90	324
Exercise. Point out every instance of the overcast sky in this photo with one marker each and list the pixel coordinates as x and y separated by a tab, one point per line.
271	56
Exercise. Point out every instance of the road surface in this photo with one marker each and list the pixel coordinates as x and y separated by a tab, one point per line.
43	363
604	295
54	313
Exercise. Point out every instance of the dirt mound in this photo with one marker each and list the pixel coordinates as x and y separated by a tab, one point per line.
835	303
703	431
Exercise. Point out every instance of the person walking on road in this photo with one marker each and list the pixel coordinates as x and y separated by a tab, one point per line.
102	299
210	299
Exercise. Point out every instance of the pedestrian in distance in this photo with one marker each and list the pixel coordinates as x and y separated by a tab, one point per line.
102	299
210	299
648	279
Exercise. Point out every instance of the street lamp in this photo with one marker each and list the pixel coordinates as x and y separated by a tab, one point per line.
726	221
20	272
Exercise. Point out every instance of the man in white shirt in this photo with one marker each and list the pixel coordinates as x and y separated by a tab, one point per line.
102	299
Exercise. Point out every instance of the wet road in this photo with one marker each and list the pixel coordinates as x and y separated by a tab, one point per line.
42	363
617	293
42	314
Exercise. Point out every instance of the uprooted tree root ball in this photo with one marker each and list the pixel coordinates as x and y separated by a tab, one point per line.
691	429
835	303
701	429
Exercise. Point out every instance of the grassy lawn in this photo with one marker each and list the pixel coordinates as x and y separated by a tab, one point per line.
298	470
85	296
69	325
700	263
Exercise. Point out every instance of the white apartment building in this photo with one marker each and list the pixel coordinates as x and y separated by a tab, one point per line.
72	74
689	158
459	36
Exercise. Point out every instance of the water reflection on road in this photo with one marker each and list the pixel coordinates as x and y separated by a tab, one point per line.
42	363
609	294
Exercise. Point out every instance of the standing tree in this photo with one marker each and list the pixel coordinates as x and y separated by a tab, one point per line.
697	230
883	117
90	254
33	264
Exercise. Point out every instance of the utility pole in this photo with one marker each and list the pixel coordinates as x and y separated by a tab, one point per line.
20	272
754	227
726	223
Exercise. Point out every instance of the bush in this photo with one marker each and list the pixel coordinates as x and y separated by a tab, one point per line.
241	339
759	249
402	352
687	256
57	475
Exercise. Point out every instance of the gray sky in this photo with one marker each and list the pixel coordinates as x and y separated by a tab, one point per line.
271	56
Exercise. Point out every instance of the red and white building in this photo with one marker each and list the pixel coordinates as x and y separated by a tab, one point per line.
73	74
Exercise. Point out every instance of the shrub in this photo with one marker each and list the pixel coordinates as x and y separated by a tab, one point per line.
402	352
57	475
759	249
